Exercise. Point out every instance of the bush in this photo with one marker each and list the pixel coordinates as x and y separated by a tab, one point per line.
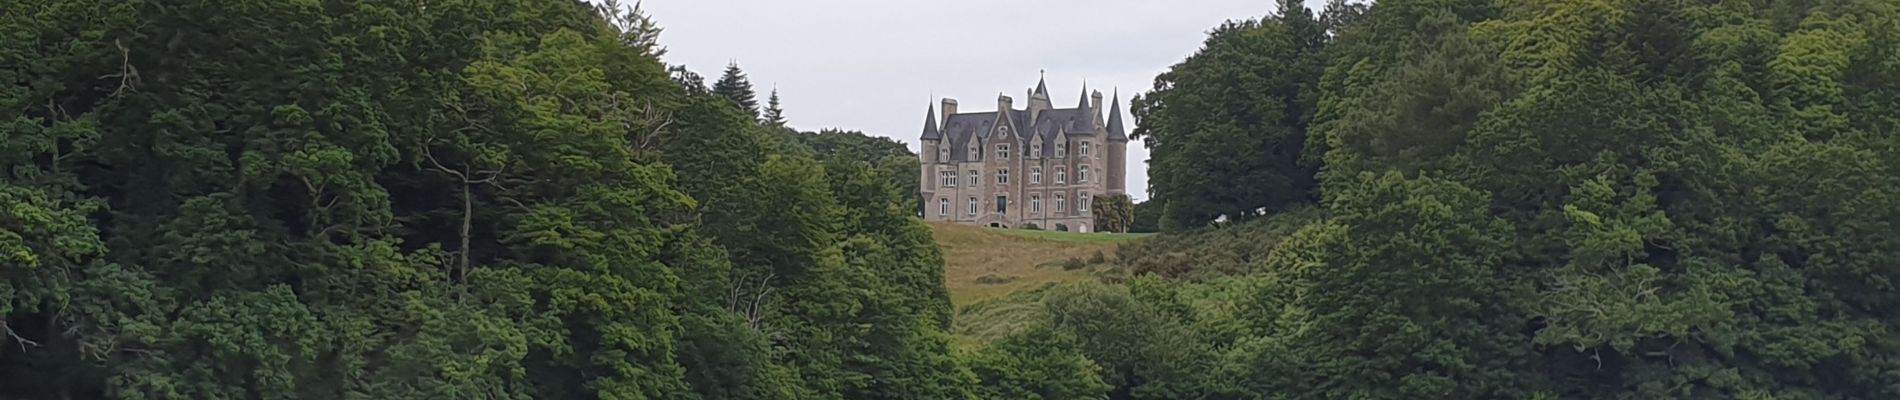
1098	258
1074	264
993	280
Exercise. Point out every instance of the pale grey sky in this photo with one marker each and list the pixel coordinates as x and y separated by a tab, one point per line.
872	65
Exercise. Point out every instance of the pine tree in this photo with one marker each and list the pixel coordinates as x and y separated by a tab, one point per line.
774	114
734	86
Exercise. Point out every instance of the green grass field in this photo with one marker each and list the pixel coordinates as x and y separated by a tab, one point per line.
983	263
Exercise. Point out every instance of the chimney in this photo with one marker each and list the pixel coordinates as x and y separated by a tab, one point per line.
1097	96
949	108
1004	103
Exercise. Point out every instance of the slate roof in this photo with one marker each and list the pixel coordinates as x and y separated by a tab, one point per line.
959	130
930	125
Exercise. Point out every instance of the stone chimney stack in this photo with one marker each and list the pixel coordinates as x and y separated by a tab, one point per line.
949	108
1097	97
1004	103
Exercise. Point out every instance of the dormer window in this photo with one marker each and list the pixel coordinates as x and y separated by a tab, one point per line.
1035	150
1062	150
1002	151
974	153
943	155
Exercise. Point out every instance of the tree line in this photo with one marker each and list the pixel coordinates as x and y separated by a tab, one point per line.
511	199
1463	199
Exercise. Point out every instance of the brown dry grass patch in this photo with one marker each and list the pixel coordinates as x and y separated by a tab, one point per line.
1027	261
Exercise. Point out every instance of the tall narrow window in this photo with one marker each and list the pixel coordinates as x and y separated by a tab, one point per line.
1002	151
973	154
943	154
1062	176
1061	202
1082	202
975	178
972	205
1082	173
1002	176
1002	204
1062	150
1035	175
1035	150
943	206
1085	149
1035	203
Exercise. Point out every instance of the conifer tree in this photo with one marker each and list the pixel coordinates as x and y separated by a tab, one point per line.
735	87
774	113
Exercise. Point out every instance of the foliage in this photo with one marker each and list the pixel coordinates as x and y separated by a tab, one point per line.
736	88
1236	111
1113	213
499	199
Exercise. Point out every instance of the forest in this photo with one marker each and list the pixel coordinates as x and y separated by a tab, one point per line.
518	199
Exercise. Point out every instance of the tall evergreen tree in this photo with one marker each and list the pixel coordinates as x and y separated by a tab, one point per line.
734	86
774	113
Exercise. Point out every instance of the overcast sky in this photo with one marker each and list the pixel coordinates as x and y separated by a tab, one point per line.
873	65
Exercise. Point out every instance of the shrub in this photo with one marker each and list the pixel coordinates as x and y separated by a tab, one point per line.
1074	264
1098	258
1031	226
993	279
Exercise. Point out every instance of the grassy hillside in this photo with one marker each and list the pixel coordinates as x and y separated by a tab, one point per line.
984	263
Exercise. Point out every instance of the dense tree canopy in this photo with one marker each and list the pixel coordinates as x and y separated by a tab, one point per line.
368	200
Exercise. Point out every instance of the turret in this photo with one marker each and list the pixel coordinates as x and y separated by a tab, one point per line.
1039	100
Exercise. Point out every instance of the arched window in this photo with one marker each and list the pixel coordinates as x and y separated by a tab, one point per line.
943	206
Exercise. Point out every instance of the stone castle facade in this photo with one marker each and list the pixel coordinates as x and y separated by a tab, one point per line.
1013	168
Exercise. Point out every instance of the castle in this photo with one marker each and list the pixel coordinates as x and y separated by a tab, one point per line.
1040	166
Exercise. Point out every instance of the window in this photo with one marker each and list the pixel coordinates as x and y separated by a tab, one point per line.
1085	149
1082	173
973	154
1082	202
943	155
1002	204
1002	151
947	178
1062	176
1035	175
1035	203
1035	150
1061	202
943	206
972	206
975	178
1002	176
1062	150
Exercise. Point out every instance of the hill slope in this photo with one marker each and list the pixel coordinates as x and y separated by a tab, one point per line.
985	263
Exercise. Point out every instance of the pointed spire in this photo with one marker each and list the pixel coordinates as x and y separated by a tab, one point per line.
1042	85
1085	96
1115	128
930	125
